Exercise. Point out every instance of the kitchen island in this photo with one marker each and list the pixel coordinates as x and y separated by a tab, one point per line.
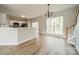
14	36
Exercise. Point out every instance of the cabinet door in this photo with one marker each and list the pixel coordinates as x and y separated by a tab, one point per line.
3	18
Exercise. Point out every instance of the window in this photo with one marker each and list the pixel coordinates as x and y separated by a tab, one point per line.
55	25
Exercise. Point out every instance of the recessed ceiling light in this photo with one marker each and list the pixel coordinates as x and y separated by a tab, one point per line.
22	16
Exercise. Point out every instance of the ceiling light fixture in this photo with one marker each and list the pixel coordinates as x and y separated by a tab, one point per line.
49	13
22	16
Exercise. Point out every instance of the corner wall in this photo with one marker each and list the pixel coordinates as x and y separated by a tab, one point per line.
42	23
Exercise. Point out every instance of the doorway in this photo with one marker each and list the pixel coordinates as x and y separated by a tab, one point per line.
36	25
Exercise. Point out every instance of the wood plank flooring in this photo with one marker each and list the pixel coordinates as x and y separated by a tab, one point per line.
43	45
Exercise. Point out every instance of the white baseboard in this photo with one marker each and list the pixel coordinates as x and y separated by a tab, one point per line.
9	44
77	48
26	40
74	45
70	42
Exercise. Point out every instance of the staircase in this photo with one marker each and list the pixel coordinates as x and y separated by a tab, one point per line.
70	31
72	34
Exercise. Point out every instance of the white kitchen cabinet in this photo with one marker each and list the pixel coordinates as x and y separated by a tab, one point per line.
3	19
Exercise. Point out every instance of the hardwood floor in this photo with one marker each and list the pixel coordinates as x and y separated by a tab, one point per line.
44	45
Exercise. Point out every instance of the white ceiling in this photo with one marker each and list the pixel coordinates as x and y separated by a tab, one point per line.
32	10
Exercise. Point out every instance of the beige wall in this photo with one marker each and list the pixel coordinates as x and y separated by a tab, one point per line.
69	19
69	16
42	24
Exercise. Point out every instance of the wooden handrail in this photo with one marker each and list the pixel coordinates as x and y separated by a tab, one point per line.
67	30
70	26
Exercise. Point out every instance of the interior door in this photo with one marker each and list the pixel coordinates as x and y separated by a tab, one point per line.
36	25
